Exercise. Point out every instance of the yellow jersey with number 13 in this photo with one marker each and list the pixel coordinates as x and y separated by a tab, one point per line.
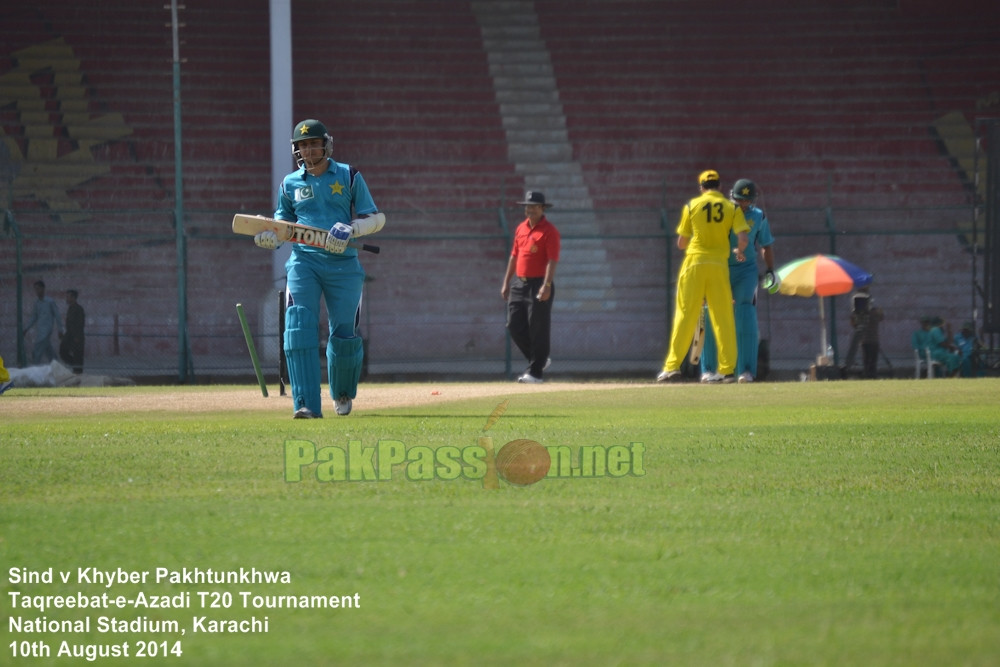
707	221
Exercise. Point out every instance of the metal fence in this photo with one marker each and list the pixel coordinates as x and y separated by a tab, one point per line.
161	307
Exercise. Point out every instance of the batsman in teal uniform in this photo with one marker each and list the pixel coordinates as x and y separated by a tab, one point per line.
332	196
743	280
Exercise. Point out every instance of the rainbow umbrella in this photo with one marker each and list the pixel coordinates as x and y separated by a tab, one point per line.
822	276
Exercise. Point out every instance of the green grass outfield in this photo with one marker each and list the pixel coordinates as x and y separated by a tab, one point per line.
826	523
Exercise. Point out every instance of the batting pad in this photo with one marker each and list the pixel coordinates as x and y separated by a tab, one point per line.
344	357
709	353
301	343
747	338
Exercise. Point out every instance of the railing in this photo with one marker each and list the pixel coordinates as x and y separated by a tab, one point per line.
432	304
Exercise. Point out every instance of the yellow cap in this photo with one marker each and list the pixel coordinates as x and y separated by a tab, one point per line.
706	176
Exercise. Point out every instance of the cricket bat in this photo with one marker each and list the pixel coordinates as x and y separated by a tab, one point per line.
698	343
292	232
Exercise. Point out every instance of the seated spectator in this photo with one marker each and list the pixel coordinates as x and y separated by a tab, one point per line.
942	349
920	340
968	347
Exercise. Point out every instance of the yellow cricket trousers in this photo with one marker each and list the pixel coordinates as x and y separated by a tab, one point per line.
703	279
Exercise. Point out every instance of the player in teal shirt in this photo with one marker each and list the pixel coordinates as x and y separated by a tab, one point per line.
743	280
332	196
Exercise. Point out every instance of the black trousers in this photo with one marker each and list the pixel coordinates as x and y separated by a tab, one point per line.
71	351
529	321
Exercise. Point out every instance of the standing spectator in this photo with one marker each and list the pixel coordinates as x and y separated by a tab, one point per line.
703	235
71	345
856	333
528	285
45	319
743	281
865	320
325	194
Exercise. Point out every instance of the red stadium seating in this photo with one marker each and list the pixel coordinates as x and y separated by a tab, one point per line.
835	104
800	99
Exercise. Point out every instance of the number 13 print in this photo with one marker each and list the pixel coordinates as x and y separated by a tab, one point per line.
719	212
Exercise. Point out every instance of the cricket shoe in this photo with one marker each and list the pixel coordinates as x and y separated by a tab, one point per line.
306	413
745	378
5	386
669	376
718	378
710	378
343	405
528	378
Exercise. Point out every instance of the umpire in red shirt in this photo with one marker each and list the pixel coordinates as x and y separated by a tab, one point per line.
528	285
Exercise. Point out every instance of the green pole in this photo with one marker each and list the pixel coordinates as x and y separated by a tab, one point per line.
12	170
183	360
11	225
671	300
252	348
669	270
508	355
831	228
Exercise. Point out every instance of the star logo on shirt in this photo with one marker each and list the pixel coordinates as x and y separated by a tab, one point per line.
337	188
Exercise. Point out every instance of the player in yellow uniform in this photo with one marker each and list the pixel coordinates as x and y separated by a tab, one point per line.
703	235
5	382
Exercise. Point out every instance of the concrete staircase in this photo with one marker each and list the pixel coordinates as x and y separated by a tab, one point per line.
538	144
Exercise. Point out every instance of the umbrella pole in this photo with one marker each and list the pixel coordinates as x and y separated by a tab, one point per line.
822	324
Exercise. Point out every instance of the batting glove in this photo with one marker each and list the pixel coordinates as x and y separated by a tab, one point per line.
771	282
267	240
336	240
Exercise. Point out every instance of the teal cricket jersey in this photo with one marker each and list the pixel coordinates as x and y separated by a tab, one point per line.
338	195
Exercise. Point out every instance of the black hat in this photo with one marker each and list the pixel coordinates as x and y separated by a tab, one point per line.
535	197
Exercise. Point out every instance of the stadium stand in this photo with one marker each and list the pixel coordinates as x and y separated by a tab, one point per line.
808	101
829	106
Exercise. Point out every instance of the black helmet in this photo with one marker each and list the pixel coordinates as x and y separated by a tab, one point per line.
744	190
